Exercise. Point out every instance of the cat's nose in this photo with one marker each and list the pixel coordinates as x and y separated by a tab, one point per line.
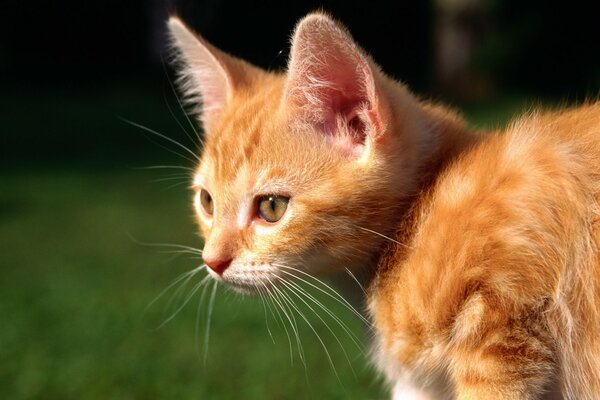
217	265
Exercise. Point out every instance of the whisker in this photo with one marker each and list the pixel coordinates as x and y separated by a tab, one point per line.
383	236
194	290
262	295
333	293
267	296
167	167
177	120
198	312
208	319
301	314
180	104
179	184
185	179
176	294
356	280
173	245
177	280
181	252
278	297
270	302
170	150
164	137
341	323
297	291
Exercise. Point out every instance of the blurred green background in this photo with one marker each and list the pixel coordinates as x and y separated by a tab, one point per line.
77	204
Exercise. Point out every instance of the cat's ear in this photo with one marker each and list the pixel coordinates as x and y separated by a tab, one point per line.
208	75
332	83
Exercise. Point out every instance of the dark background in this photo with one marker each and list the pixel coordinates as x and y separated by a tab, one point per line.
77	275
539	46
51	50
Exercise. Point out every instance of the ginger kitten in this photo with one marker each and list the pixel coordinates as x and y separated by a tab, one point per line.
482	249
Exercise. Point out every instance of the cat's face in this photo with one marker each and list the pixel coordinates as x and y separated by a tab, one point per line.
296	172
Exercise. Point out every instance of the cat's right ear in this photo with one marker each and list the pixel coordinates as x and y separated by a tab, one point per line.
208	76
333	85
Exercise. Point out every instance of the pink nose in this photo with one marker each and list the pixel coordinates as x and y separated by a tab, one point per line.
217	265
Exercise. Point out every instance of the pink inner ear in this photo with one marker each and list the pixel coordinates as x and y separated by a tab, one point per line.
331	84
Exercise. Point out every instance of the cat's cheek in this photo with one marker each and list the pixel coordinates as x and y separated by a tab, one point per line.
262	229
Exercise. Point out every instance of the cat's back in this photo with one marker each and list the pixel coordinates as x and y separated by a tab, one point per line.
512	225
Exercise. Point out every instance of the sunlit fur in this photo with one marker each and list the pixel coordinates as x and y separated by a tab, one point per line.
482	248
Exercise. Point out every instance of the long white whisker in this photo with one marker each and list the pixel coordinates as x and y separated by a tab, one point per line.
178	184
176	246
194	290
297	291
272	305
168	167
334	294
164	137
170	150
181	252
301	314
341	323
280	298
208	319
176	294
198	312
356	280
177	280
383	236
262	295
183	179
177	119
267	296
180	104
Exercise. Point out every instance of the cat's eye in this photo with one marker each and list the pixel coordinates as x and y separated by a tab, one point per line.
272	207
206	201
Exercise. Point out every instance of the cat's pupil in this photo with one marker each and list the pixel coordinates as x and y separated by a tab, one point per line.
271	208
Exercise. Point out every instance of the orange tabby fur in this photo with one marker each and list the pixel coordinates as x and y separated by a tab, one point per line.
490	284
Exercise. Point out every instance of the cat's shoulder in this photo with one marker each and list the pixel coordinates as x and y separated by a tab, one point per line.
505	210
538	153
512	187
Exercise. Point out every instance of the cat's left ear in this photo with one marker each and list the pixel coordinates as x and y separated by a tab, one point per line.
333	84
209	76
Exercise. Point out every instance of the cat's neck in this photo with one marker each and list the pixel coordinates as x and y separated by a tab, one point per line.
444	137
427	135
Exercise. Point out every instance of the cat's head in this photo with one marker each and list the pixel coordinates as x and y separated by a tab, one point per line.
303	171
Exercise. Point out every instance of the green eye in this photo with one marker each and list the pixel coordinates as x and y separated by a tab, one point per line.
206	201
271	208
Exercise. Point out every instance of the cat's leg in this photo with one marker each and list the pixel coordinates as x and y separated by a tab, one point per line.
513	359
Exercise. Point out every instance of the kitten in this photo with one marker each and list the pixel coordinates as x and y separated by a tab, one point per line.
482	249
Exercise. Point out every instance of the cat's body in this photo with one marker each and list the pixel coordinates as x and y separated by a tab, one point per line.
481	248
495	293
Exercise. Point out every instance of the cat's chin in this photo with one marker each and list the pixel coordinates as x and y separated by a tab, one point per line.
247	290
